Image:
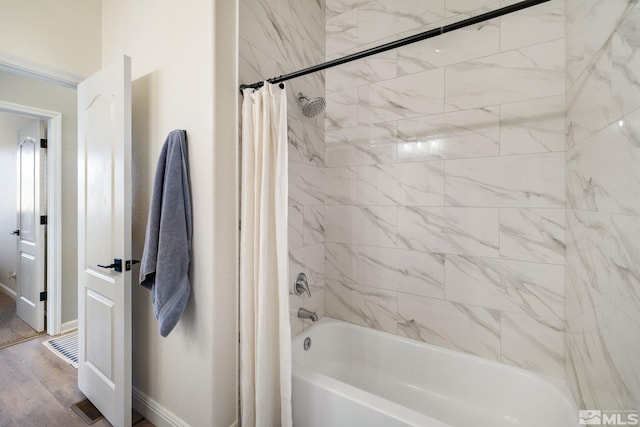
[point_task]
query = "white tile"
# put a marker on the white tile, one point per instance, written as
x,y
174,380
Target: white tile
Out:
x,y
456,7
403,97
533,25
295,227
308,260
603,173
341,262
418,273
306,142
336,7
370,225
342,32
361,72
342,109
460,327
588,239
361,145
530,72
533,180
378,226
625,274
625,71
530,345
382,18
457,46
533,235
468,133
465,231
313,225
315,303
531,289
342,185
590,101
407,184
306,184
535,126
342,224
362,305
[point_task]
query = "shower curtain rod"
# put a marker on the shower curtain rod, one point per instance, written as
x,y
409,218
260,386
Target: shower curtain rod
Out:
x,y
401,42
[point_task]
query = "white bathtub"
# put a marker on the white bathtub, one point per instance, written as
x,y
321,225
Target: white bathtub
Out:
x,y
356,376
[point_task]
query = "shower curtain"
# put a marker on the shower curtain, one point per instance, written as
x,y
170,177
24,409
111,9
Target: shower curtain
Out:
x,y
265,336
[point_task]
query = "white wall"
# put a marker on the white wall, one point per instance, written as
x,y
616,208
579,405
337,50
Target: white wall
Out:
x,y
184,78
63,34
33,93
10,124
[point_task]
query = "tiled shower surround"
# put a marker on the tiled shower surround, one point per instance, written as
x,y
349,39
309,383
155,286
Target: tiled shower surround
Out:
x,y
603,198
433,197
445,178
277,37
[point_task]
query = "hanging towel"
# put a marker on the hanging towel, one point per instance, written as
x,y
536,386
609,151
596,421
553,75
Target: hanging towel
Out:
x,y
164,268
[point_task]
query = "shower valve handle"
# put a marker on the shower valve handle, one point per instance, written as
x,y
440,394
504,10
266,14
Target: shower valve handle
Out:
x,y
302,285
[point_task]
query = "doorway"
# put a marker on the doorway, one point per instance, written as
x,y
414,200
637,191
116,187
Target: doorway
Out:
x,y
51,271
22,229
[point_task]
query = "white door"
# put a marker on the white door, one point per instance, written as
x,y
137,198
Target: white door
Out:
x,y
104,235
30,278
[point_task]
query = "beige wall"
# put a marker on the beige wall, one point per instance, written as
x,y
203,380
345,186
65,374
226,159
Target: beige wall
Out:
x,y
29,92
192,372
63,35
10,124
184,57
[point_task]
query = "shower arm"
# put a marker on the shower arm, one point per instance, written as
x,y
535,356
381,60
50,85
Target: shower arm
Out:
x,y
398,43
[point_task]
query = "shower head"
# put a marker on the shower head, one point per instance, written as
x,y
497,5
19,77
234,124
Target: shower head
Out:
x,y
311,107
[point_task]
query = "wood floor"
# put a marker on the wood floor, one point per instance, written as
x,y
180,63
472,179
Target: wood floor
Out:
x,y
12,328
37,388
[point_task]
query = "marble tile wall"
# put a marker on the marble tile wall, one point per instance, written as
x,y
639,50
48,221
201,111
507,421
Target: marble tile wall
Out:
x,y
603,200
445,178
278,37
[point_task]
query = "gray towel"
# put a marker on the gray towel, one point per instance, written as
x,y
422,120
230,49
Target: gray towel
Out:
x,y
165,261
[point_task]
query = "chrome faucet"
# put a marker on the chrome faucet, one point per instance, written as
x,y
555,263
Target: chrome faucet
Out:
x,y
302,285
303,313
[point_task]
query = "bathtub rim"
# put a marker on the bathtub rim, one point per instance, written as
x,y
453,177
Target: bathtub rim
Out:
x,y
545,380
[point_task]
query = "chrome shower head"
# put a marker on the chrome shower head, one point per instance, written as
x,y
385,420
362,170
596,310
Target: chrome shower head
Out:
x,y
311,107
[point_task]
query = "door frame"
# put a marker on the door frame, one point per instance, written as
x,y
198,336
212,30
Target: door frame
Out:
x,y
54,209
54,185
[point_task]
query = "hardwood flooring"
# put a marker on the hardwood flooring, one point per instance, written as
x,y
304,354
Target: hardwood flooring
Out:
x,y
37,388
12,328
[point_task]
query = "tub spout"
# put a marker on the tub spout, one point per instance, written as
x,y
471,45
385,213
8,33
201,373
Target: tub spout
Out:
x,y
303,313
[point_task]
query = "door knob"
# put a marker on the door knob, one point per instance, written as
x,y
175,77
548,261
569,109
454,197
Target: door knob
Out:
x,y
15,232
117,265
106,266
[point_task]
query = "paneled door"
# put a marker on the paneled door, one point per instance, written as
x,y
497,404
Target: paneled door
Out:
x,y
31,231
104,240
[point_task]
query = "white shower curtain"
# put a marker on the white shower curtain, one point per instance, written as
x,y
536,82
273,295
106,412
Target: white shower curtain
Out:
x,y
265,336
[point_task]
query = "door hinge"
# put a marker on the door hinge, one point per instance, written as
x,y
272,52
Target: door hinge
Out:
x,y
43,220
43,143
43,296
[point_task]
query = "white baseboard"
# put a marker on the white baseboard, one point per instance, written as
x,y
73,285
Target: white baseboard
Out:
x,y
69,326
153,411
7,290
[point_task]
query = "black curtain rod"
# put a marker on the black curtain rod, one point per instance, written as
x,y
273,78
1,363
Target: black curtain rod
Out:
x,y
399,43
